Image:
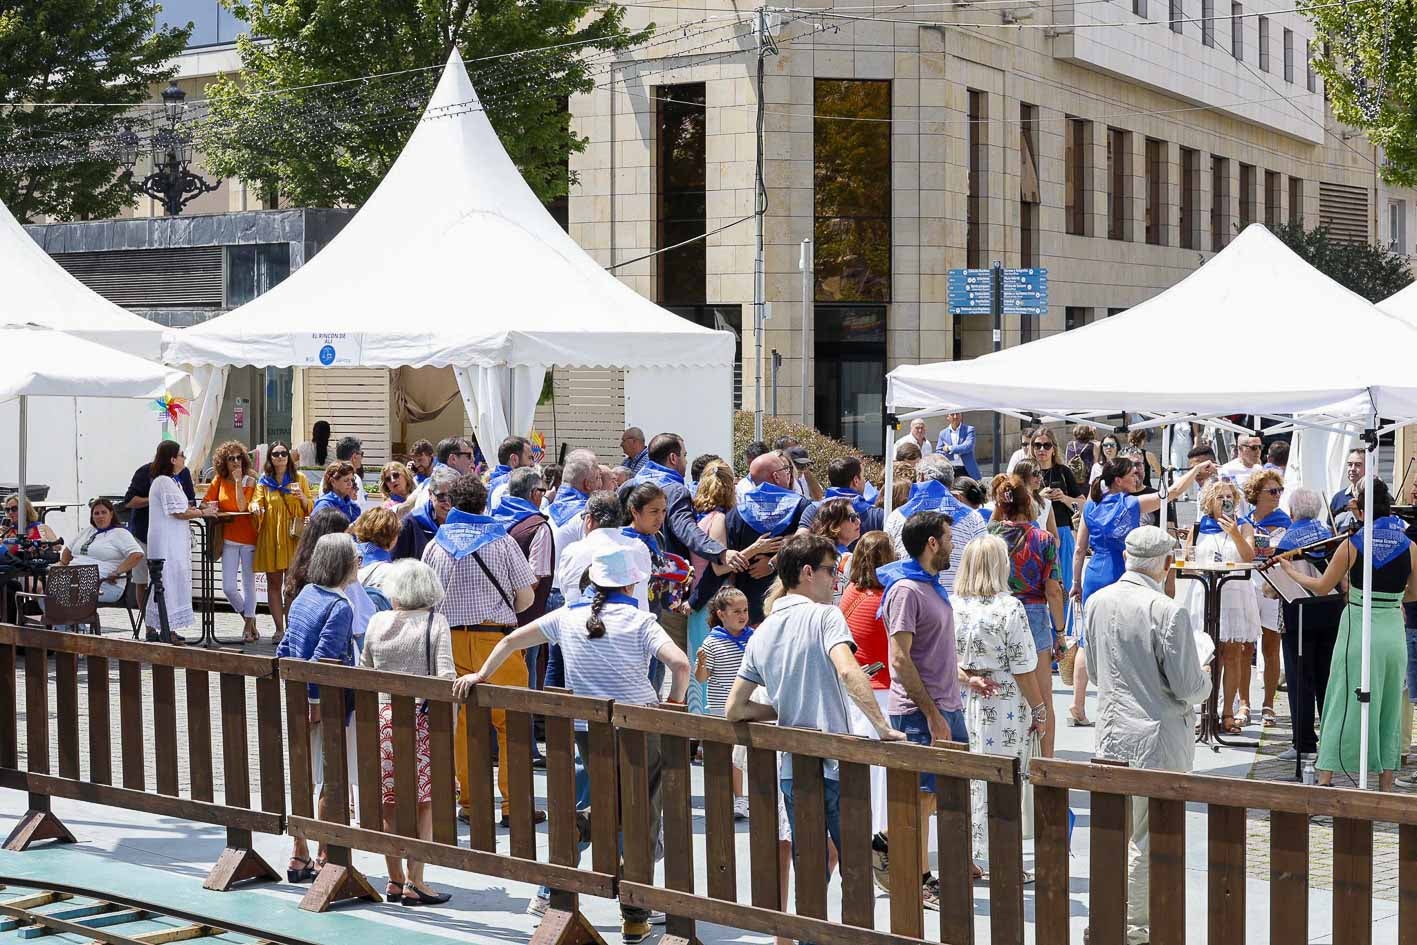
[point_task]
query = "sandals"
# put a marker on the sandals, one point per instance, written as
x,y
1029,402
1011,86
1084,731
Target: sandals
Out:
x,y
1243,716
1230,726
1078,721
394,892
304,874
251,634
413,896
1267,719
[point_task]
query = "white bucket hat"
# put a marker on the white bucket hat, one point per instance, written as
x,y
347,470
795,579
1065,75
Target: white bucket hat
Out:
x,y
615,567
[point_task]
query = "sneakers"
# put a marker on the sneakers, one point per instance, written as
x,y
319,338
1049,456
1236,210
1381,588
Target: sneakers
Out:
x,y
1408,779
657,918
633,933
1289,754
880,863
930,893
538,906
740,808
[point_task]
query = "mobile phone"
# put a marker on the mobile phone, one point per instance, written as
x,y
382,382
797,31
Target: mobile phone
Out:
x,y
871,669
1227,507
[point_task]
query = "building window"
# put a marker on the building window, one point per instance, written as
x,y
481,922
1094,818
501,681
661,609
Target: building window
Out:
x,y
1028,187
1219,202
1397,226
1311,81
1190,197
850,354
253,269
1288,55
1296,201
1264,44
1344,211
1208,22
1176,12
1075,173
682,212
1247,195
852,190
212,24
1237,31
1075,316
1271,199
720,318
1119,148
976,247
1139,7
1155,192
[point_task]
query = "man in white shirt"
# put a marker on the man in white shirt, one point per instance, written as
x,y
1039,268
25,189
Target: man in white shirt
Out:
x,y
1246,464
918,437
579,478
601,521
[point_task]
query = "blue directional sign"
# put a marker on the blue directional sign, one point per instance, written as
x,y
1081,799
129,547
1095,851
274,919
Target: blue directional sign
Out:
x,y
971,291
1025,291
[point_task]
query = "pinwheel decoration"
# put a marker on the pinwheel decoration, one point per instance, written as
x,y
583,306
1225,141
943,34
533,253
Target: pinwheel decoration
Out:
x,y
170,409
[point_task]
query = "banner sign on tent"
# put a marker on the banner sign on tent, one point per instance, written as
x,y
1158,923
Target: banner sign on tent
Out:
x,y
328,349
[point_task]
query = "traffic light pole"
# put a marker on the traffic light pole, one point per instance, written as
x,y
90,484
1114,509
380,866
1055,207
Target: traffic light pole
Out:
x,y
996,309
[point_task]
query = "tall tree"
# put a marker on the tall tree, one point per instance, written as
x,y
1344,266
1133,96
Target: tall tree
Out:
x,y
1371,271
293,121
1363,50
52,51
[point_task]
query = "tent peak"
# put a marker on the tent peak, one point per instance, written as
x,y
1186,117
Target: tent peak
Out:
x,y
454,89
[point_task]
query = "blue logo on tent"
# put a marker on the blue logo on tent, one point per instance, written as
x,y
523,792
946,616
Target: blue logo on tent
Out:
x,y
327,355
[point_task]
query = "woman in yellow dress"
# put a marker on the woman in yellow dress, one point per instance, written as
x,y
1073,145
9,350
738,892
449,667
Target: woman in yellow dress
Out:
x,y
281,502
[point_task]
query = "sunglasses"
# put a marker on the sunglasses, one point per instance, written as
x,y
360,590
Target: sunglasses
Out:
x,y
278,453
1043,446
853,517
1274,491
441,496
1249,446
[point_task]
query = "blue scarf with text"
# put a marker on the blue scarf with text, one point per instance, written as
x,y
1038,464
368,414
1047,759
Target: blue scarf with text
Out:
x,y
512,509
934,496
858,501
1389,539
907,569
1306,533
768,509
569,503
463,533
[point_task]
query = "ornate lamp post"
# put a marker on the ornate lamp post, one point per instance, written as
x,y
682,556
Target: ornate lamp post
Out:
x,y
170,182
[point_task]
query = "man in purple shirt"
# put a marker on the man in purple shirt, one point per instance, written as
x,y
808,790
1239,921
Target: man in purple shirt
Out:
x,y
924,700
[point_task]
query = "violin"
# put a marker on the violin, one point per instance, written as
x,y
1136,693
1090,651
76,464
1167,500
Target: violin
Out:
x,y
1323,544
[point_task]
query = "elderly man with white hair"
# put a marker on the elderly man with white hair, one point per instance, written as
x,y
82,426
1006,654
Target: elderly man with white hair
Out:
x,y
1143,653
918,437
931,493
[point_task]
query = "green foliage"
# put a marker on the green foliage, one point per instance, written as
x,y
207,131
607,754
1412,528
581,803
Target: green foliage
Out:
x,y
74,51
1371,271
331,145
822,448
852,190
1361,50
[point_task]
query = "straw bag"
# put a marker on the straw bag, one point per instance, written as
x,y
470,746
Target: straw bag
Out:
x,y
1070,656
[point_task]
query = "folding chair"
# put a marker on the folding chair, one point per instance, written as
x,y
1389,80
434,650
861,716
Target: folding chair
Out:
x,y
70,596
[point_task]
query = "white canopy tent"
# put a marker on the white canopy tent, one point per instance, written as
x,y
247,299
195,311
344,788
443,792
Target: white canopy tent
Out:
x,y
454,262
1256,289
81,458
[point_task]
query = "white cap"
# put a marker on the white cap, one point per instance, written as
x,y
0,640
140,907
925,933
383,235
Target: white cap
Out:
x,y
1148,541
615,567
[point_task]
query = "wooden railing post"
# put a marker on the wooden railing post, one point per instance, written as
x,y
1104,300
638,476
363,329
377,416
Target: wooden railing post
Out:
x,y
39,822
239,862
338,879
676,798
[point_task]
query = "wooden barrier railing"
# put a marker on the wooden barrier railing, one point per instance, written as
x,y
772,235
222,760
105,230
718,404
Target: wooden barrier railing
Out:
x,y
1227,801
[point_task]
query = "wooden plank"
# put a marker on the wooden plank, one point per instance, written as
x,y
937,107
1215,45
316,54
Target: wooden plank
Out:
x,y
406,766
546,702
954,839
297,727
37,710
521,784
720,835
479,754
1167,894
1352,881
157,654
1407,885
66,699
1288,877
443,772
165,751
903,828
355,677
1050,863
130,725
100,733
270,744
235,757
199,734
604,798
367,762
634,796
1108,859
142,801
1225,841
1005,863
561,791
762,829
858,897
9,709
809,836
336,761
676,797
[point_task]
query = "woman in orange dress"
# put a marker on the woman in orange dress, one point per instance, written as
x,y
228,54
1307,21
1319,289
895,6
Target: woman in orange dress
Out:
x,y
231,489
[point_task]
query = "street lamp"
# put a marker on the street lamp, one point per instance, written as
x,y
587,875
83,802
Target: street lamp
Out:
x,y
170,182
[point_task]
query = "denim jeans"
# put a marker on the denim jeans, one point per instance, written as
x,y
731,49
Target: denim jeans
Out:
x,y
832,796
1412,663
917,732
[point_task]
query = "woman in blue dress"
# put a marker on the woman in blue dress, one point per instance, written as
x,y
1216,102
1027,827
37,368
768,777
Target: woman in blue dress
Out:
x,y
1112,511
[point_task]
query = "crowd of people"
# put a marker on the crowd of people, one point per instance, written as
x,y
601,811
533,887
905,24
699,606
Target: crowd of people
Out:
x,y
788,592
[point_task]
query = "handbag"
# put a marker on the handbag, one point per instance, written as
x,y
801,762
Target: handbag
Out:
x,y
1069,660
427,655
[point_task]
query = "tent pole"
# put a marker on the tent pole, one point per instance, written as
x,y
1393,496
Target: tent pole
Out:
x,y
1165,457
22,497
1364,693
892,424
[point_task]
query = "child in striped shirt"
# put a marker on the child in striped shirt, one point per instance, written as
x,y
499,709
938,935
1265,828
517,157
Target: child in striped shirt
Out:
x,y
719,658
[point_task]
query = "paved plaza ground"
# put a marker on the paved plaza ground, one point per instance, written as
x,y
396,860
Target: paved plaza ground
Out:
x,y
171,857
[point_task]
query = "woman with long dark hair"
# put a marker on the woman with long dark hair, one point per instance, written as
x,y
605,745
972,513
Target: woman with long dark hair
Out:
x,y
170,541
316,451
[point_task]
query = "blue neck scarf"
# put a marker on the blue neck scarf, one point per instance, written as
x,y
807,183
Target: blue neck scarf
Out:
x,y
1389,539
616,598
424,517
858,501
371,552
346,507
419,479
907,569
1208,526
1276,519
463,533
1306,533
740,641
768,509
569,503
283,487
657,474
934,496
651,541
869,492
1109,521
499,475
512,509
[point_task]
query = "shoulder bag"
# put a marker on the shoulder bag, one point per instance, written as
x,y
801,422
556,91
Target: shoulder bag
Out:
x,y
495,583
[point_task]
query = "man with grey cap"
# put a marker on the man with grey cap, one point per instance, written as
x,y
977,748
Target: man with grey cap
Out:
x,y
1142,653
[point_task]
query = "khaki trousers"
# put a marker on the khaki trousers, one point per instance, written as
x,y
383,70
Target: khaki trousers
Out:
x,y
470,650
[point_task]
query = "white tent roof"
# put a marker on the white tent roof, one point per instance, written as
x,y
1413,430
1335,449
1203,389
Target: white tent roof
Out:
x,y
48,363
1402,304
452,261
37,290
1255,329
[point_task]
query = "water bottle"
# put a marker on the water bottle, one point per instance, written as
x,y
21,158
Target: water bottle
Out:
x,y
1309,777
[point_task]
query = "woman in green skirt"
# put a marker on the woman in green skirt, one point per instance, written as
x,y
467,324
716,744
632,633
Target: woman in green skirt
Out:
x,y
1394,578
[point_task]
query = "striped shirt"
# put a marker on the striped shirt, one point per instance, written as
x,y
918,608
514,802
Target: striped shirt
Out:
x,y
470,598
723,659
613,666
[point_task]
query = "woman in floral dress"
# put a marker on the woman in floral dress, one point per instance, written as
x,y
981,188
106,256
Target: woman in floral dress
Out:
x,y
1004,706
